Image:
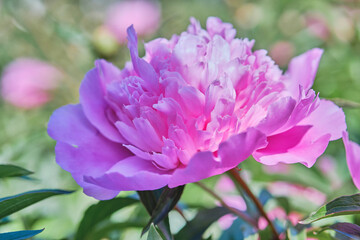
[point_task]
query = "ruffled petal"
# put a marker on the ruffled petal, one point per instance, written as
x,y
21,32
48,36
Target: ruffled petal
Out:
x,y
93,102
80,146
302,70
327,118
231,153
141,67
296,145
79,162
353,158
278,114
68,124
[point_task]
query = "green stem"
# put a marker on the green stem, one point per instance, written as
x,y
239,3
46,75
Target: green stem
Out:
x,y
224,204
235,175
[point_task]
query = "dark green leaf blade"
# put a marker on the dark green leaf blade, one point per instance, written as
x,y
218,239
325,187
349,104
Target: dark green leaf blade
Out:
x,y
150,198
9,205
348,229
19,235
194,229
99,212
167,201
8,170
344,205
153,234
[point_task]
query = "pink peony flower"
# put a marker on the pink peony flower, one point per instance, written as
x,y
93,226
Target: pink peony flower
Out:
x,y
195,106
26,82
143,14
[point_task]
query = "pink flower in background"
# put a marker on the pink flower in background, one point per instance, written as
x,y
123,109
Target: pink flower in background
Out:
x,y
317,25
226,189
195,106
281,52
143,14
280,214
298,191
26,82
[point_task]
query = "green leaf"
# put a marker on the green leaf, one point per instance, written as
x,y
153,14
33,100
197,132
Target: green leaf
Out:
x,y
295,234
153,234
167,201
348,229
19,235
345,205
8,170
150,198
194,229
319,235
99,212
103,231
9,205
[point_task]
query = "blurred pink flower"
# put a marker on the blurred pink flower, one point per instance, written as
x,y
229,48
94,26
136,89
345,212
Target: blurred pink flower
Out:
x,y
282,52
277,168
26,82
195,106
226,189
293,190
143,14
317,25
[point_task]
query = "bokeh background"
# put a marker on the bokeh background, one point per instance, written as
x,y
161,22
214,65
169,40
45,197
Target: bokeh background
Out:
x,y
71,34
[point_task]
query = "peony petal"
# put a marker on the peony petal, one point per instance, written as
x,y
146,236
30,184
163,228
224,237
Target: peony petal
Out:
x,y
77,149
296,145
141,67
132,174
327,118
68,124
94,104
353,158
302,70
79,162
232,152
239,147
193,100
278,114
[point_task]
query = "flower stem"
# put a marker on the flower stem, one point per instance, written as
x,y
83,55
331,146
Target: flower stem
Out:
x,y
236,176
231,209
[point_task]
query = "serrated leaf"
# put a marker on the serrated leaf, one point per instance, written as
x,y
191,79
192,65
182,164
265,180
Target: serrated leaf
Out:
x,y
19,235
194,229
344,205
153,234
99,212
9,205
166,202
348,229
8,170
